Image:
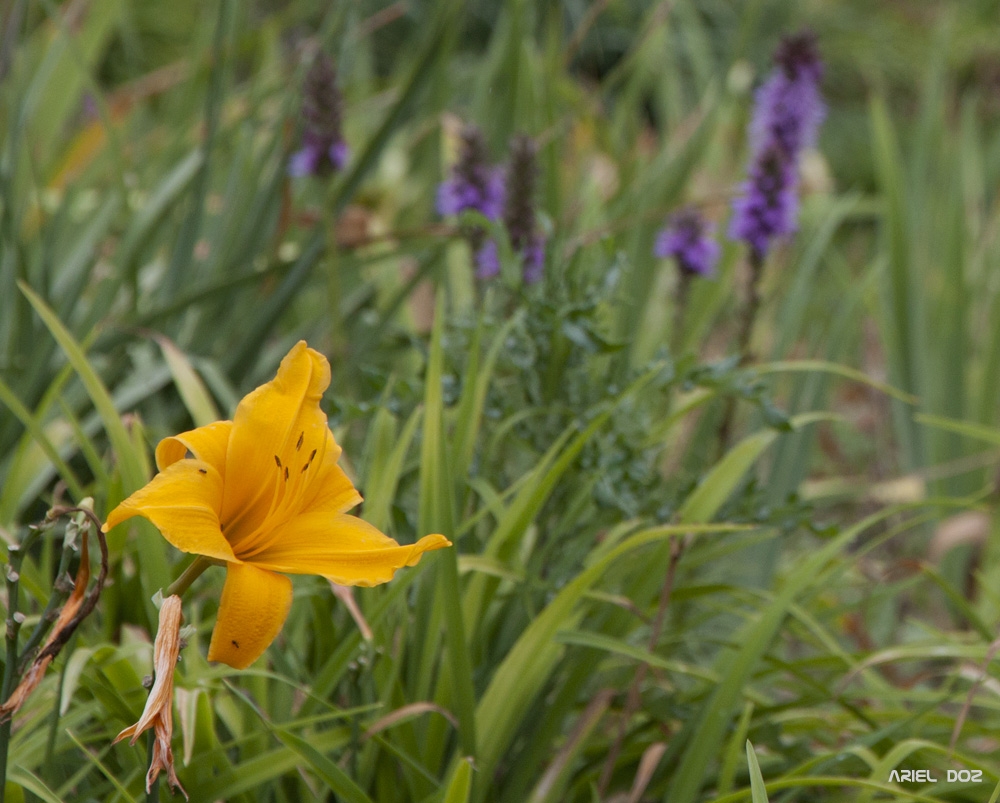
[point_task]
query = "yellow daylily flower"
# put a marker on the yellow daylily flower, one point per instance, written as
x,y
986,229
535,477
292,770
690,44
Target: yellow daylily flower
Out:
x,y
263,493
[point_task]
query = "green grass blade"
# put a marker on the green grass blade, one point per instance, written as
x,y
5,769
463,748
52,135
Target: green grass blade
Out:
x,y
715,715
130,464
193,392
437,514
712,492
758,794
460,786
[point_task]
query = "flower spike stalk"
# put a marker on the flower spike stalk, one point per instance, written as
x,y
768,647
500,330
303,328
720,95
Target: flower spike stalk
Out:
x,y
263,495
787,113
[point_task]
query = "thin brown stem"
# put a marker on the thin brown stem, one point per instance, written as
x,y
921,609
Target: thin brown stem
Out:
x,y
634,699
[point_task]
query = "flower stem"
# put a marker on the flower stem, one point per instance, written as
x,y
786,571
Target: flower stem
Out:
x,y
751,308
633,701
743,344
190,574
13,576
682,292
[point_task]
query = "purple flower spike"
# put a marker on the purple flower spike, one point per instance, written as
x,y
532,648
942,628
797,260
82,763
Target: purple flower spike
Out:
x,y
473,183
787,113
323,148
769,204
687,238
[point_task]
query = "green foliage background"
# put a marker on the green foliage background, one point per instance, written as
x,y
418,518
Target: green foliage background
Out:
x,y
831,574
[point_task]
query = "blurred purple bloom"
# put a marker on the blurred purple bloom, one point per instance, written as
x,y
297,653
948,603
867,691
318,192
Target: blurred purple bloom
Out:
x,y
457,194
787,113
487,260
687,238
323,148
473,183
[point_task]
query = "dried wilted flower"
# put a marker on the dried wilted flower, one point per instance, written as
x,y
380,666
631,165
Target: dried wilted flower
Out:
x,y
159,711
76,608
787,113
519,208
323,148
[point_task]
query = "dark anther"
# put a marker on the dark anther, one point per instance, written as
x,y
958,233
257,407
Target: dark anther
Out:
x,y
236,644
203,471
312,455
298,445
277,460
286,473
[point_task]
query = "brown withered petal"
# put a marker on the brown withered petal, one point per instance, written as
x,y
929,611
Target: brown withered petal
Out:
x,y
57,637
159,711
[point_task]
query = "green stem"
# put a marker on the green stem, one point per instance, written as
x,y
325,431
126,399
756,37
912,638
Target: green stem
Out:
x,y
751,308
15,554
680,307
191,573
744,337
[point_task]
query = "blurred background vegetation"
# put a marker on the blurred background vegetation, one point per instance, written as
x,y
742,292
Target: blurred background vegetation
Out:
x,y
633,599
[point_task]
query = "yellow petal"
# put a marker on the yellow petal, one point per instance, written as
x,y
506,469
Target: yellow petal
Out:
x,y
183,502
330,490
277,430
206,443
341,548
253,608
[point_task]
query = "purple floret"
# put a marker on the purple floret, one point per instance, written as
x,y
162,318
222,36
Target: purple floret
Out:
x,y
473,184
687,238
768,206
338,153
305,161
487,260
485,195
787,113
